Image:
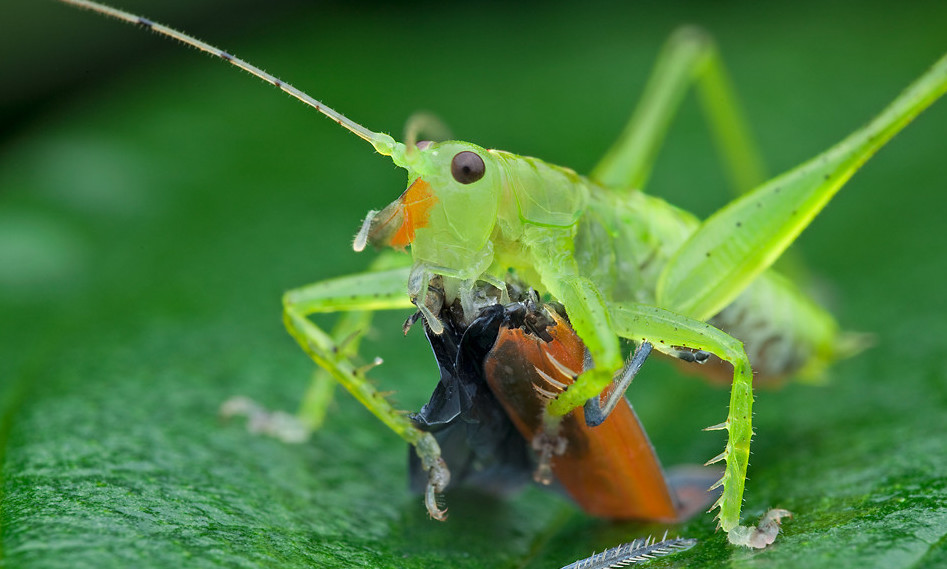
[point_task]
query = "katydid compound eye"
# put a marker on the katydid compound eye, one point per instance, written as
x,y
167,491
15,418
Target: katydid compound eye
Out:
x,y
467,167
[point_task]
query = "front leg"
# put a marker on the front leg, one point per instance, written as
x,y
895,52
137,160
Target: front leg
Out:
x,y
551,253
381,290
589,318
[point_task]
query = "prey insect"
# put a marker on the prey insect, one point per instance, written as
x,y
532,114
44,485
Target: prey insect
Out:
x,y
624,265
498,373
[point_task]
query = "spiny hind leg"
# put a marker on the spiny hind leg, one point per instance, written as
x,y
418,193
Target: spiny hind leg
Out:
x,y
668,332
689,59
730,249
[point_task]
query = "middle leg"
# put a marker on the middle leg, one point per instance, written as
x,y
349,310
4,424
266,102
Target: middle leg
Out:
x,y
669,332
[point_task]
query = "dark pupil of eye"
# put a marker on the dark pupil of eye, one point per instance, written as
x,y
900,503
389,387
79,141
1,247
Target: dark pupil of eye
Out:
x,y
467,167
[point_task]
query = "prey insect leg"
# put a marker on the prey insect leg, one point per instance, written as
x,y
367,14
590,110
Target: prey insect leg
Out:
x,y
595,411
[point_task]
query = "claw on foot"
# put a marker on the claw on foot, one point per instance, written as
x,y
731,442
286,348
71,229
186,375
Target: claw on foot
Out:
x,y
438,476
763,534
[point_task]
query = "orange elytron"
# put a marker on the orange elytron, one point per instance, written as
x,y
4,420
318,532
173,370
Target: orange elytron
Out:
x,y
610,470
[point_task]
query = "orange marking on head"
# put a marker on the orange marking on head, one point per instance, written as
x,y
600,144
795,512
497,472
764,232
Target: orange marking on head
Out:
x,y
416,203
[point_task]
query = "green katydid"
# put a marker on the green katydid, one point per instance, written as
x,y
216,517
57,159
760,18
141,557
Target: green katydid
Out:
x,y
624,264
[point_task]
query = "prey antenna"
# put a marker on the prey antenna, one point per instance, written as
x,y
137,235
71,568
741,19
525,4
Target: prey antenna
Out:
x,y
383,143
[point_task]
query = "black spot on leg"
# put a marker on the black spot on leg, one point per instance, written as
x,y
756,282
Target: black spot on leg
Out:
x,y
226,56
278,83
145,23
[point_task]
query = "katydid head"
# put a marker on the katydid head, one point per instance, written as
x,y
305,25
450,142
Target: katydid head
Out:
x,y
448,211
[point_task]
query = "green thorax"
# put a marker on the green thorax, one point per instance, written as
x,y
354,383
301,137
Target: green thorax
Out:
x,y
625,238
620,239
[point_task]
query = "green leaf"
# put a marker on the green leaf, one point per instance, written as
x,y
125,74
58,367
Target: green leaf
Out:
x,y
150,221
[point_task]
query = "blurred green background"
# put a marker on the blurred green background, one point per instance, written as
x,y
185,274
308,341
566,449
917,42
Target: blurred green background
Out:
x,y
155,203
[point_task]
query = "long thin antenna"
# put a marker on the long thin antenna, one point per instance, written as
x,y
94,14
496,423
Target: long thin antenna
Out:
x,y
383,143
